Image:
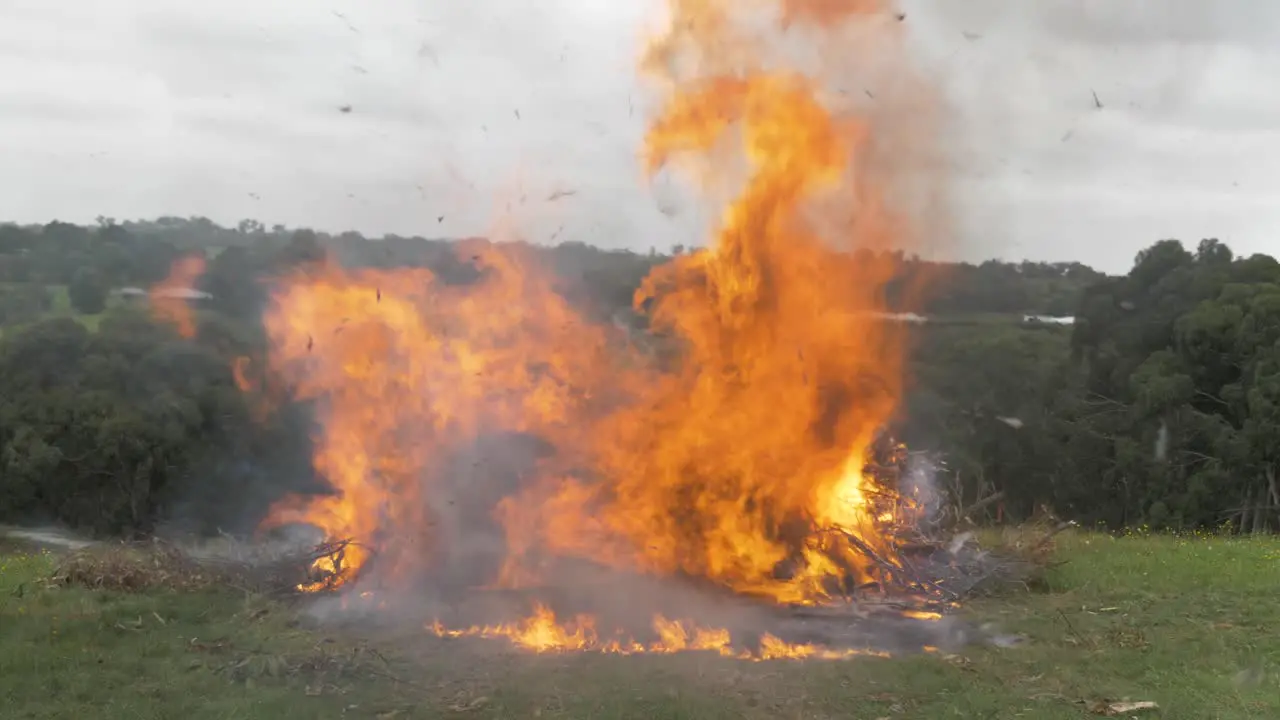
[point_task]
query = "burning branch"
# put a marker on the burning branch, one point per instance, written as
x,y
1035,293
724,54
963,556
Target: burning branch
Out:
x,y
327,569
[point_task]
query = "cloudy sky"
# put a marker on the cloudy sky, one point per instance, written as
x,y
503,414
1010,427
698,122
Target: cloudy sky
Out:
x,y
473,117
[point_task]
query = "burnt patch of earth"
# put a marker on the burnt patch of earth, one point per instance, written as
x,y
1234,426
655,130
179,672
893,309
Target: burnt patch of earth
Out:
x,y
623,606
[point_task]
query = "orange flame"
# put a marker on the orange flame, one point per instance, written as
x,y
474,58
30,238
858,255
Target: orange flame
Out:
x,y
405,370
167,302
788,375
542,633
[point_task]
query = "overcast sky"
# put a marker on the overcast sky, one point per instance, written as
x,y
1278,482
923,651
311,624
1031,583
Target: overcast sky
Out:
x,y
480,111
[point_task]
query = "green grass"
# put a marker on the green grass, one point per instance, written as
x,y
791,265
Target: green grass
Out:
x,y
1190,623
61,307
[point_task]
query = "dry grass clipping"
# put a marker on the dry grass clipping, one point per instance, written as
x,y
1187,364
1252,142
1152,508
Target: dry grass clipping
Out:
x,y
1034,541
135,568
1033,546
156,565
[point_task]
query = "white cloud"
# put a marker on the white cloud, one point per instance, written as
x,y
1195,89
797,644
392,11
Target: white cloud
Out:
x,y
136,108
1182,147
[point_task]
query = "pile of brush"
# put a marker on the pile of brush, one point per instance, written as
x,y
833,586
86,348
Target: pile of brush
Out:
x,y
158,565
1014,558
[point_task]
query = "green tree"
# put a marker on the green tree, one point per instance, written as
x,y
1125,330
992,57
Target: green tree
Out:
x,y
88,291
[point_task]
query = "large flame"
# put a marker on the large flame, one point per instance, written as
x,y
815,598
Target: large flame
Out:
x,y
730,466
405,370
738,457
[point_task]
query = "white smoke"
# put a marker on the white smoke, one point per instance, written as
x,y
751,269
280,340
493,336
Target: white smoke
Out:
x,y
919,482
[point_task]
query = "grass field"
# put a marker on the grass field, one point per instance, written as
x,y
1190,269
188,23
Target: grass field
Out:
x,y
61,307
1190,623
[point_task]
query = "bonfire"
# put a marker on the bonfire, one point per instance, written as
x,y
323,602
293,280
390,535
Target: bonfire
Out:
x,y
489,447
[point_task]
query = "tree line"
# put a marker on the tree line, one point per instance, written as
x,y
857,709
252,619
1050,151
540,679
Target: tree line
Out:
x,y
1159,406
1156,406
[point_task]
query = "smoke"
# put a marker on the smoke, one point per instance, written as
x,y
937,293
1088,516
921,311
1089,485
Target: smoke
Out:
x,y
1162,442
46,536
920,483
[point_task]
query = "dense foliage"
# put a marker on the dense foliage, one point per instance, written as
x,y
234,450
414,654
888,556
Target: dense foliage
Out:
x,y
1157,406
